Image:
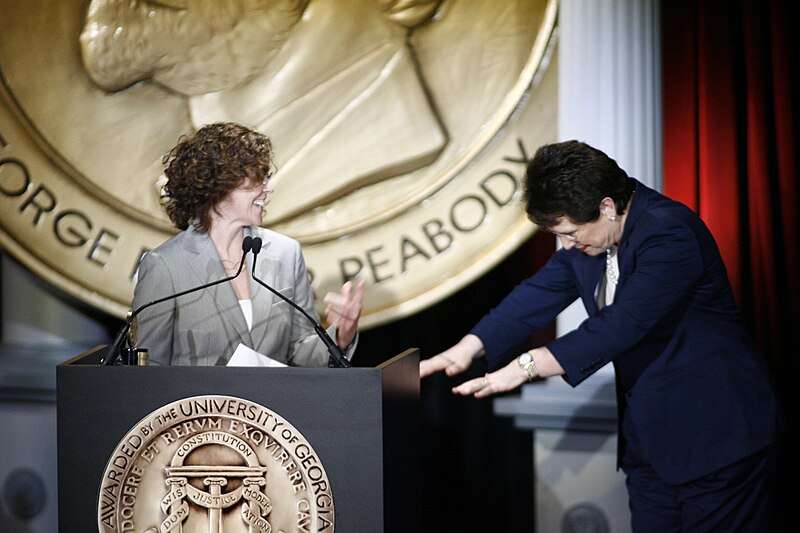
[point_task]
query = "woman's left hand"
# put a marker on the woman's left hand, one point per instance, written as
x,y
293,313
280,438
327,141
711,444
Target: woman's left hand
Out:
x,y
343,310
509,377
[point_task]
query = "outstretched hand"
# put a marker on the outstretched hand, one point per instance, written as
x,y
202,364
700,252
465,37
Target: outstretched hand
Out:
x,y
507,378
455,359
343,309
511,376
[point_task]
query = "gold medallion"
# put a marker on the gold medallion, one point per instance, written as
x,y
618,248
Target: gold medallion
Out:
x,y
401,131
215,463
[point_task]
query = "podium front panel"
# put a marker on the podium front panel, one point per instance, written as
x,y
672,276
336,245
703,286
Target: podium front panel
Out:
x,y
338,411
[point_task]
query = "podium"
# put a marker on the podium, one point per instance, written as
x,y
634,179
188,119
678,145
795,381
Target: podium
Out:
x,y
360,422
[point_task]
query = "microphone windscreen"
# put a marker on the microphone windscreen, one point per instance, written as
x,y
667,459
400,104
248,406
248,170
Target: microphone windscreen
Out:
x,y
247,244
256,245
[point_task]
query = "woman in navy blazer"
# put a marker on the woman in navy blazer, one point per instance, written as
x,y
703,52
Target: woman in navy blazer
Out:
x,y
698,412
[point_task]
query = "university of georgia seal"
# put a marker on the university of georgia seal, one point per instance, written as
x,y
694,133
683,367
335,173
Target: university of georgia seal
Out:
x,y
216,464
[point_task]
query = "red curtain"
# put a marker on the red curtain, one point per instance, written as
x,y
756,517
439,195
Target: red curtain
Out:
x,y
730,70
729,74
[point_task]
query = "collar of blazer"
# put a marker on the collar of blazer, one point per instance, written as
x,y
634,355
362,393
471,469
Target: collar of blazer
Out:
x,y
206,266
200,243
593,268
639,202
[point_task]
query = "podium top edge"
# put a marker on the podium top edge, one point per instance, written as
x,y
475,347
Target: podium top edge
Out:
x,y
410,352
91,356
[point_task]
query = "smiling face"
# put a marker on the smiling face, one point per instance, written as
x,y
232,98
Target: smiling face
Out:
x,y
245,205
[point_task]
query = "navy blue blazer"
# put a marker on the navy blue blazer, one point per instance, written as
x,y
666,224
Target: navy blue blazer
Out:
x,y
698,394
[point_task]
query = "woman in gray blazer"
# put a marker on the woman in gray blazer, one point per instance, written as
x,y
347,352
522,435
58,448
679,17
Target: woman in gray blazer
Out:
x,y
217,190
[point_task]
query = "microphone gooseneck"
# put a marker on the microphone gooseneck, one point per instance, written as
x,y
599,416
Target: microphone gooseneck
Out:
x,y
337,358
115,349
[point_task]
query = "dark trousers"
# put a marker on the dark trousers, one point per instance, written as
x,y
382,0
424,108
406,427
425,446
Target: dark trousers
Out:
x,y
736,498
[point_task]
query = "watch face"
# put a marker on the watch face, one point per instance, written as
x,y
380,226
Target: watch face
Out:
x,y
524,359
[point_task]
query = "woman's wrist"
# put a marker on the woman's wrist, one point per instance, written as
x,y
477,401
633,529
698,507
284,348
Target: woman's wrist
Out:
x,y
473,345
527,363
546,363
344,341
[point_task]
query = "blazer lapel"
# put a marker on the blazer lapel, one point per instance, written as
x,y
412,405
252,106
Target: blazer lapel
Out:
x,y
207,267
641,198
592,269
262,297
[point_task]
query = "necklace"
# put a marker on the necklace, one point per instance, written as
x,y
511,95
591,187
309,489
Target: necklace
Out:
x,y
611,267
229,266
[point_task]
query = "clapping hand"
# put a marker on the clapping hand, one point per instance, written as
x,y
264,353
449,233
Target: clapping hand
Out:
x,y
343,309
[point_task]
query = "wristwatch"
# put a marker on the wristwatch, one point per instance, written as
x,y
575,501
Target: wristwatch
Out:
x,y
528,365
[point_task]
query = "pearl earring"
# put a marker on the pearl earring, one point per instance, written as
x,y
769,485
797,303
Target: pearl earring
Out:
x,y
612,218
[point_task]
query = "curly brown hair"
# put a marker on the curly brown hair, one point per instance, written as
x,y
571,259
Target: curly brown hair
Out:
x,y
203,168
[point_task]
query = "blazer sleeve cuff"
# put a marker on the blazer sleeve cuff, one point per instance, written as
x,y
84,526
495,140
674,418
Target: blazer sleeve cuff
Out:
x,y
351,348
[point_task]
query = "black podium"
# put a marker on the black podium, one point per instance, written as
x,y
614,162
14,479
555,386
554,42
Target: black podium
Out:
x,y
361,422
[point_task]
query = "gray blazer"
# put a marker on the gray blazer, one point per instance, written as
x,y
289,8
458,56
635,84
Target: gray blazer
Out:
x,y
205,327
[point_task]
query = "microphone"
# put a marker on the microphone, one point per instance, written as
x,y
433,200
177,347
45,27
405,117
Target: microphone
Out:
x,y
115,350
337,358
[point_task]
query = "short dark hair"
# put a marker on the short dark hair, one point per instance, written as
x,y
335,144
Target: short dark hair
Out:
x,y
570,179
203,168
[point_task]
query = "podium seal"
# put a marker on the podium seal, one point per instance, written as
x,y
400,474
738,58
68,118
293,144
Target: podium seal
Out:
x,y
216,464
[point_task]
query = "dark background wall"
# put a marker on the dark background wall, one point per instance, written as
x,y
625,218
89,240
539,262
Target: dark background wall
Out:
x,y
476,468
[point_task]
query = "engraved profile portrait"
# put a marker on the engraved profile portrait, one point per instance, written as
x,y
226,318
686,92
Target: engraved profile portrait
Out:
x,y
389,120
334,84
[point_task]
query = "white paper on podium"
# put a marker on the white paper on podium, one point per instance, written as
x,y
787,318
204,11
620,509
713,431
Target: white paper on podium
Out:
x,y
244,356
